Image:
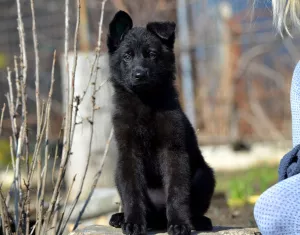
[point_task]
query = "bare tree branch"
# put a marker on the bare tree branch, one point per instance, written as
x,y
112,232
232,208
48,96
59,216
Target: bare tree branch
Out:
x,y
1,119
96,178
58,231
17,81
48,112
37,73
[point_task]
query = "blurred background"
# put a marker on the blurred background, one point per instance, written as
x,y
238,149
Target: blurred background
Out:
x,y
234,76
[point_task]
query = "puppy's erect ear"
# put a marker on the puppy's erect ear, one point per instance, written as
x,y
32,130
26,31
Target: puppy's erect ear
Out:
x,y
164,30
118,27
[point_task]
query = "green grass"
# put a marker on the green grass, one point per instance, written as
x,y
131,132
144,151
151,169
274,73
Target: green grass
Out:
x,y
242,184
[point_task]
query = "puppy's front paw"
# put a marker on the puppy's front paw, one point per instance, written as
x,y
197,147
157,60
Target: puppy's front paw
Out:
x,y
134,229
179,229
117,220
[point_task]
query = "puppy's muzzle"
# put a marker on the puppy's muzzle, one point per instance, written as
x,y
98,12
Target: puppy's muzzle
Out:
x,y
140,73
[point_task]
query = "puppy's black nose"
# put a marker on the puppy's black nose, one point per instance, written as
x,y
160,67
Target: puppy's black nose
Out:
x,y
140,73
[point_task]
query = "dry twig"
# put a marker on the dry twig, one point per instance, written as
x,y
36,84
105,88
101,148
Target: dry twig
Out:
x,y
56,150
17,81
1,119
47,120
64,208
96,178
37,74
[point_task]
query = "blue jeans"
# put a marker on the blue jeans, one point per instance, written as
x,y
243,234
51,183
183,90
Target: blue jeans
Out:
x,y
277,211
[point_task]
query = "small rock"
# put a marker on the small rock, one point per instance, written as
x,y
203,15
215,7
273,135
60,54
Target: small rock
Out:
x,y
235,213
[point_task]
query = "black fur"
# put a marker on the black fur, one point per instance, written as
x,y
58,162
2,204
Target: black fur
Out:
x,y
161,175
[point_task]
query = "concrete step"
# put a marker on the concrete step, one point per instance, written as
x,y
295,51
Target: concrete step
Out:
x,y
106,230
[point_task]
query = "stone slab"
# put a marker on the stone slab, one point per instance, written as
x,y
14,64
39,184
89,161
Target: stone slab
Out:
x,y
106,230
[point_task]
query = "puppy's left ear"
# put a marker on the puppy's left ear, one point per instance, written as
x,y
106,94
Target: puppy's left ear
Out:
x,y
118,28
164,30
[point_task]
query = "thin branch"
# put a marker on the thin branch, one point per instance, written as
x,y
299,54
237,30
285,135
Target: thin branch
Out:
x,y
37,147
27,227
33,229
55,217
65,206
86,165
1,119
100,26
11,94
26,200
27,152
12,152
11,108
48,112
96,178
22,42
17,177
98,48
12,120
77,100
17,144
56,150
17,81
23,130
37,74
100,86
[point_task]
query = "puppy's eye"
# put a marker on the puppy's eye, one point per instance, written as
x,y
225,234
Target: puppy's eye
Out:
x,y
152,54
127,56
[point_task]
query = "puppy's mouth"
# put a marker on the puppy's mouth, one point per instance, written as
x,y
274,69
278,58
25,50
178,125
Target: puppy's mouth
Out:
x,y
140,82
139,86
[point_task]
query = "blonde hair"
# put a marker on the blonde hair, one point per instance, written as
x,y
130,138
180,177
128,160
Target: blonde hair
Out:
x,y
286,15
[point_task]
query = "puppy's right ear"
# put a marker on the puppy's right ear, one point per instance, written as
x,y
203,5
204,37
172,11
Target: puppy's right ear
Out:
x,y
118,27
164,30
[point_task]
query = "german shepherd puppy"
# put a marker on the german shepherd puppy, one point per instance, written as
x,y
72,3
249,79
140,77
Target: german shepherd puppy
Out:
x,y
162,177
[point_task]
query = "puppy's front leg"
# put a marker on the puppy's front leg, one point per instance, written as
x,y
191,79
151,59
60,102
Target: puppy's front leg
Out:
x,y
131,184
177,185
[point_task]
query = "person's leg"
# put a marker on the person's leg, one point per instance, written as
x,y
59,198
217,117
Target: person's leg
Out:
x,y
277,211
295,105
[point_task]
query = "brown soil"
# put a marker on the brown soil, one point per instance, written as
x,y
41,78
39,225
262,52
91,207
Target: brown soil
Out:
x,y
222,215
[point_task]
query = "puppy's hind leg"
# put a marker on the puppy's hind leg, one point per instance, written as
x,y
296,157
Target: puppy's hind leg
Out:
x,y
203,185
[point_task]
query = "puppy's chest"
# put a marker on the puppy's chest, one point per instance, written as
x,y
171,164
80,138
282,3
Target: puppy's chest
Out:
x,y
144,127
137,123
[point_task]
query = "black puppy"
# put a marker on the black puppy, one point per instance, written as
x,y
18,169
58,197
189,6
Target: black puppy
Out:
x,y
161,175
